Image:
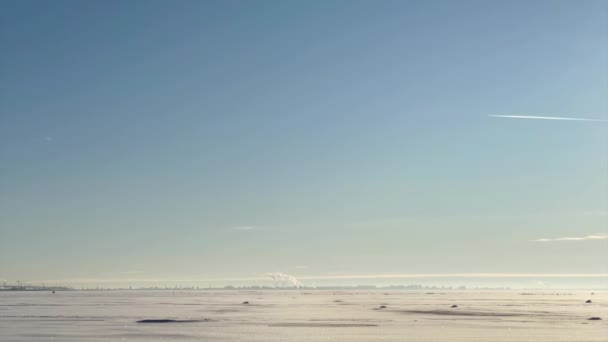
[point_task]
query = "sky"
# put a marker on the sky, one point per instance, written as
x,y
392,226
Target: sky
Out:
x,y
215,141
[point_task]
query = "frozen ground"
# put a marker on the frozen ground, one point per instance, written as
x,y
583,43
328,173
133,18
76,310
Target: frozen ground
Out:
x,y
304,316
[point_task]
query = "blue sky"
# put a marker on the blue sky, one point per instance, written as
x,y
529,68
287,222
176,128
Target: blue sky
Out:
x,y
350,137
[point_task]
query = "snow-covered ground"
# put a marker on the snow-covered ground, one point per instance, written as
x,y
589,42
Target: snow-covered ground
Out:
x,y
304,316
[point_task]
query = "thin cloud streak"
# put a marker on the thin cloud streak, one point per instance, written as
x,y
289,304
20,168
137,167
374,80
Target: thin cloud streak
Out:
x,y
577,238
131,272
244,228
545,118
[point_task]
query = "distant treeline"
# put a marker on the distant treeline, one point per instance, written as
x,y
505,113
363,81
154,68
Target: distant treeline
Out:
x,y
293,288
22,287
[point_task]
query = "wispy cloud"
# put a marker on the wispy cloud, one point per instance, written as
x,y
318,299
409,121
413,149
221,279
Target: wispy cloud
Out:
x,y
244,228
131,272
577,238
545,118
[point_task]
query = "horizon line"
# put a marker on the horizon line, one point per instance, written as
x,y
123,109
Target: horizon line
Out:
x,y
334,277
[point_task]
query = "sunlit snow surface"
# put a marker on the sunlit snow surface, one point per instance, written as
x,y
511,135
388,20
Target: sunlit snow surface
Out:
x,y
304,316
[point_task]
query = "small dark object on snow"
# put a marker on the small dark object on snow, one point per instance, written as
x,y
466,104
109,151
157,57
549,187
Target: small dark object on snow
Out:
x,y
53,291
588,301
169,321
594,319
382,307
454,306
245,303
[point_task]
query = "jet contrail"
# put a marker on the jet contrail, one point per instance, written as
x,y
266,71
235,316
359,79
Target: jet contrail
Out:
x,y
545,118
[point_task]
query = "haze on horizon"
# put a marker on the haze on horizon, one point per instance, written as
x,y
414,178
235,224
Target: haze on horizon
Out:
x,y
212,141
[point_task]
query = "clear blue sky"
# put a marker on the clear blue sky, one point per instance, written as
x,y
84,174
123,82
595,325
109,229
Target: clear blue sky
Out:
x,y
210,140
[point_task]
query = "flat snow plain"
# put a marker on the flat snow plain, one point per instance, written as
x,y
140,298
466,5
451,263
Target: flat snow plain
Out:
x,y
300,315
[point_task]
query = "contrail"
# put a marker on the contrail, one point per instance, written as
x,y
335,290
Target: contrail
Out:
x,y
545,118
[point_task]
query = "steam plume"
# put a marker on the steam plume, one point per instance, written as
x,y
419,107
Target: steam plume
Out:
x,y
282,279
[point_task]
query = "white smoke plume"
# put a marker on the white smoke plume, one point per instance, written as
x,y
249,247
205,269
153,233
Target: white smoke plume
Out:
x,y
282,279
